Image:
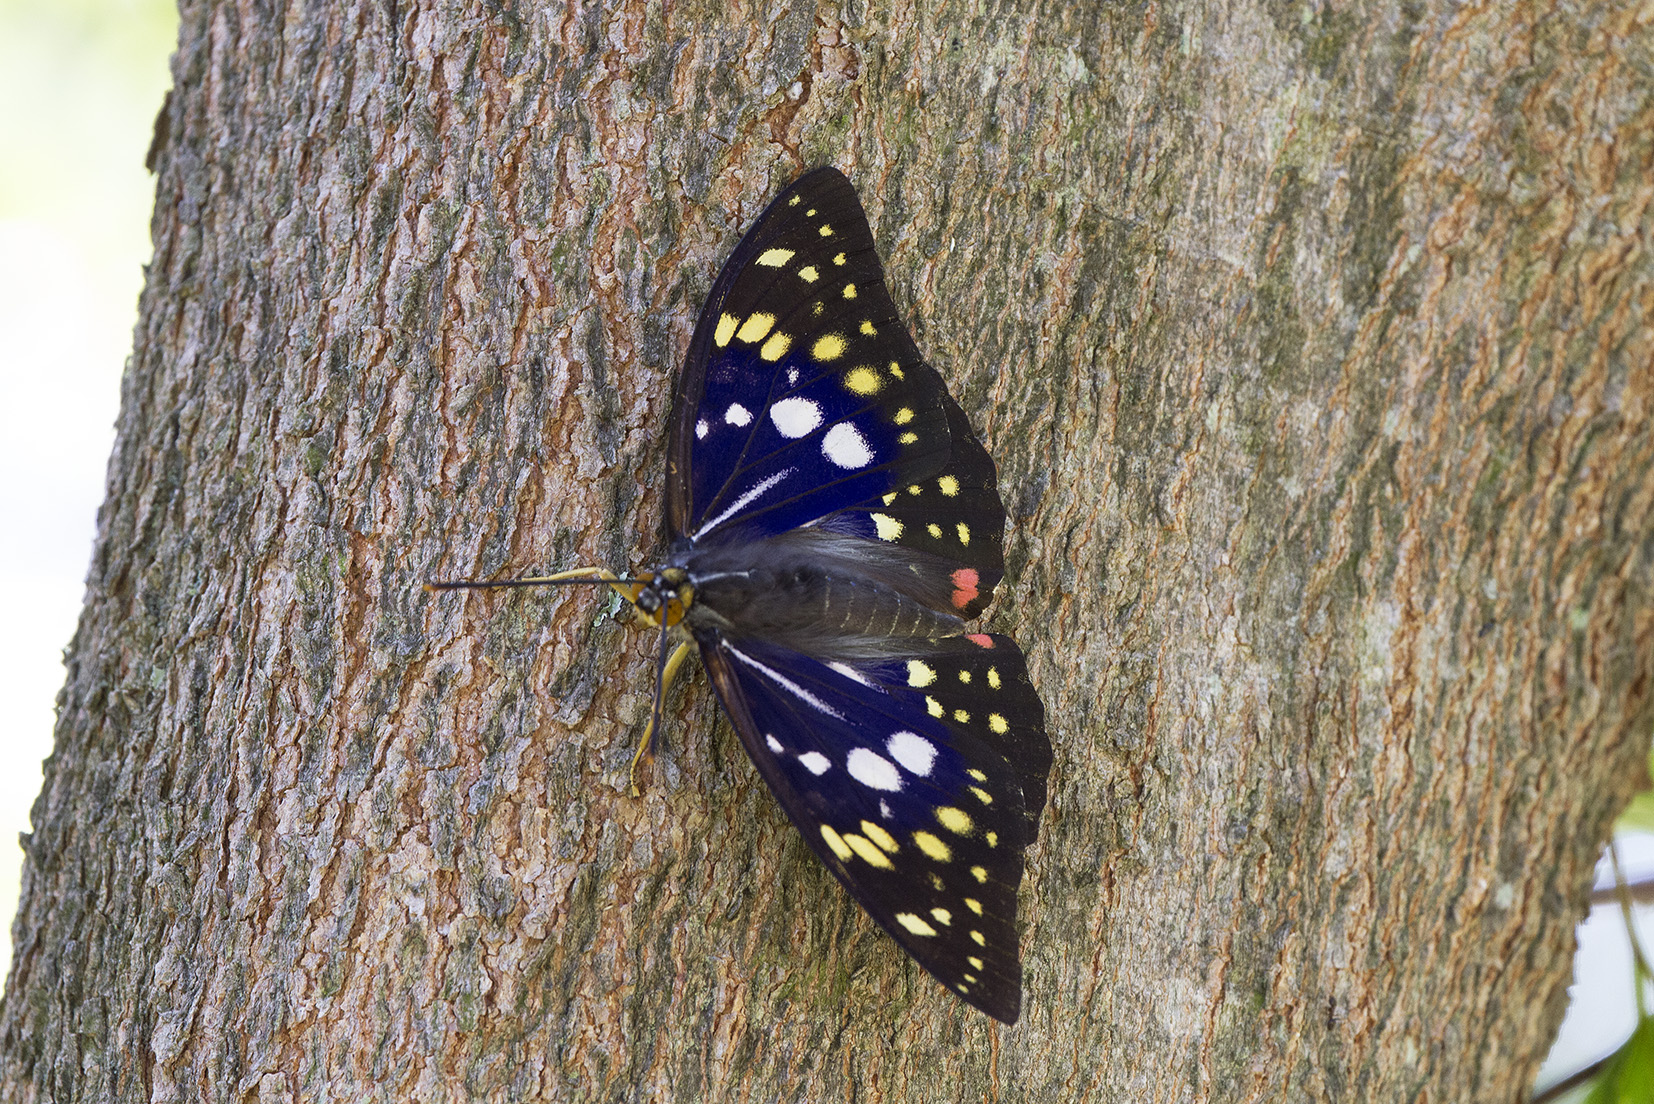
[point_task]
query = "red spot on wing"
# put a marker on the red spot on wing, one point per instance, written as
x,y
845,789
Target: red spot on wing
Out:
x,y
981,640
964,582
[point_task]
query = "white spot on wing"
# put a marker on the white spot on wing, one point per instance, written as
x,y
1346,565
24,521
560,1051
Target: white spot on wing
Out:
x,y
774,744
744,501
845,446
738,415
874,770
815,762
912,751
795,417
700,429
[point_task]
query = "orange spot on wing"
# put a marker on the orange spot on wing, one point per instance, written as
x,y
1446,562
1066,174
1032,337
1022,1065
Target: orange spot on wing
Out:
x,y
981,640
964,587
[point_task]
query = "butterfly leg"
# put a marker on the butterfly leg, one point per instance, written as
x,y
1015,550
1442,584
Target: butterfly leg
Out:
x,y
665,672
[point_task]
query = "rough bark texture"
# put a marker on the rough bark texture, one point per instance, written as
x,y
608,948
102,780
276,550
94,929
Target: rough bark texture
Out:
x,y
1313,341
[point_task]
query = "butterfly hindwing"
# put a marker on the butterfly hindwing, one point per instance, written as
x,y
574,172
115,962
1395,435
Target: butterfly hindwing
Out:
x,y
953,514
918,782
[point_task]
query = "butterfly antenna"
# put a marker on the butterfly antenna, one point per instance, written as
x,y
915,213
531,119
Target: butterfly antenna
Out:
x,y
577,577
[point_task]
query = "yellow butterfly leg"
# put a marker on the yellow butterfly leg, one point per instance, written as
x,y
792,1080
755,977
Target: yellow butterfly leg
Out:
x,y
646,747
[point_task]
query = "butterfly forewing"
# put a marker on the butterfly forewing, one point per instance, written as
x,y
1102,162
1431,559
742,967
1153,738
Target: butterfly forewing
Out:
x,y
917,782
804,393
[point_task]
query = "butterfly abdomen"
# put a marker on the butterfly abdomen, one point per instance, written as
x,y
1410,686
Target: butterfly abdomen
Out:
x,y
825,610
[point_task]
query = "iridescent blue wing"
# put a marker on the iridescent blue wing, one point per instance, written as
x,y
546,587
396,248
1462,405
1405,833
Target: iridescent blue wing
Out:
x,y
804,407
918,782
804,401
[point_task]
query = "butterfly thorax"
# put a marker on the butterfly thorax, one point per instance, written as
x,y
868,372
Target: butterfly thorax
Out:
x,y
802,592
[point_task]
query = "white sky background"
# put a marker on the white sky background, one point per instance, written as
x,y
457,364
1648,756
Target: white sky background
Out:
x,y
80,83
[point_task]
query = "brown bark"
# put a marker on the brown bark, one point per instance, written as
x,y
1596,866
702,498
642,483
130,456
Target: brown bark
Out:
x,y
1313,343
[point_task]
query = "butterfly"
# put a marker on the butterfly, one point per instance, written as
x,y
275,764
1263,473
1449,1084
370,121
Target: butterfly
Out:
x,y
832,523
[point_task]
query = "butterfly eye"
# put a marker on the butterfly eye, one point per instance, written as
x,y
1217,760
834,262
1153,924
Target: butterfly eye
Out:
x,y
648,601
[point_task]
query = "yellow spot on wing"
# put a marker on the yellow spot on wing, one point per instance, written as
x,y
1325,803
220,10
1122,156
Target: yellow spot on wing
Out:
x,y
755,327
934,530
915,490
889,498
993,839
993,677
776,347
943,916
982,795
838,260
964,676
793,202
934,707
980,940
974,905
979,873
932,846
836,842
775,258
976,774
826,230
908,438
878,835
849,291
867,328
961,716
997,723
808,274
725,330
896,370
964,532
903,416
949,485
914,924
869,854
828,347
976,963
954,820
889,528
920,673
863,381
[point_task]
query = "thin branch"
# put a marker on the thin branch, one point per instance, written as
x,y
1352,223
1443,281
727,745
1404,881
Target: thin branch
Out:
x,y
1573,1080
1640,891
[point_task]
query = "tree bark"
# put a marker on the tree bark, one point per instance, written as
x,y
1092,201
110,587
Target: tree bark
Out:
x,y
1313,342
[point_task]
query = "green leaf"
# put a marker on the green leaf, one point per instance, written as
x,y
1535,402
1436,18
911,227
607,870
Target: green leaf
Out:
x,y
1628,1078
1639,815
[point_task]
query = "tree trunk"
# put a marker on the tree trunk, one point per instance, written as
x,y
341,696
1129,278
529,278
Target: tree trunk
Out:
x,y
1313,342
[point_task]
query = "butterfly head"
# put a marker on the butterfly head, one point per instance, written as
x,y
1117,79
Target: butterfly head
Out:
x,y
661,596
